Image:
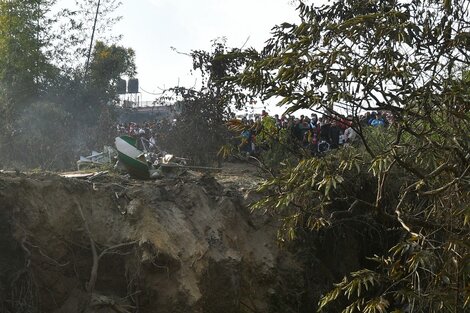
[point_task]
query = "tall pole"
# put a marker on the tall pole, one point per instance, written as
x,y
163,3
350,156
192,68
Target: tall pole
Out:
x,y
38,45
92,37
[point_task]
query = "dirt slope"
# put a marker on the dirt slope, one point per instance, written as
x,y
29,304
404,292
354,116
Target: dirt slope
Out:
x,y
116,245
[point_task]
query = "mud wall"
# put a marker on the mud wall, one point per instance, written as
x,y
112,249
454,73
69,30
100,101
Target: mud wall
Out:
x,y
174,245
182,245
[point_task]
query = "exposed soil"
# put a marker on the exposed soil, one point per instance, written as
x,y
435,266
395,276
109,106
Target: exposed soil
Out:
x,y
174,245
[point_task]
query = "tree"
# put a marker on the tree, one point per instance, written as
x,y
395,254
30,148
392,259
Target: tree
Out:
x,y
91,69
91,101
34,82
200,129
405,58
23,64
75,27
108,64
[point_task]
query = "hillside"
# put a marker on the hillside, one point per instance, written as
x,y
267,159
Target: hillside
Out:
x,y
119,245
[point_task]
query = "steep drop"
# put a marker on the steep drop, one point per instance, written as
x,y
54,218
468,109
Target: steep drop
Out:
x,y
115,245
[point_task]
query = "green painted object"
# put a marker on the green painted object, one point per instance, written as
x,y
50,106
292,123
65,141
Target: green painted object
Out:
x,y
132,158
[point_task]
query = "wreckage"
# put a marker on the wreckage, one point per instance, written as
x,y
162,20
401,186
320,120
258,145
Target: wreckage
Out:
x,y
139,157
143,160
97,158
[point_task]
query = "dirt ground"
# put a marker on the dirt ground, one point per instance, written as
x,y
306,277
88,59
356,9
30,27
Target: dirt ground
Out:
x,y
114,244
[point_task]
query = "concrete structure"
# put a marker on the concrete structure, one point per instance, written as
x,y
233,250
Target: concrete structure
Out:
x,y
146,113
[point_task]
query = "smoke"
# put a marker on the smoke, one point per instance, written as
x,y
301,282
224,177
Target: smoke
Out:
x,y
48,135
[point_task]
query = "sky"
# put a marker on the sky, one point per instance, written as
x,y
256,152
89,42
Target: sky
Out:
x,y
152,27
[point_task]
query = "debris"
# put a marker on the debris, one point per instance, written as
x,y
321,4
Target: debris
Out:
x,y
97,158
151,164
81,175
97,174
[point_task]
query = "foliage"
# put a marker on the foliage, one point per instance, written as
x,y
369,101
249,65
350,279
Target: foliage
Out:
x,y
273,146
218,67
108,64
51,113
199,132
73,27
23,65
404,58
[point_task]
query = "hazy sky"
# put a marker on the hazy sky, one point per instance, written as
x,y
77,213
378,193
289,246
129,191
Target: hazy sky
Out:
x,y
151,27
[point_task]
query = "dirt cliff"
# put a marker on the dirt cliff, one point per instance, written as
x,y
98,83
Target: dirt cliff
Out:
x,y
187,244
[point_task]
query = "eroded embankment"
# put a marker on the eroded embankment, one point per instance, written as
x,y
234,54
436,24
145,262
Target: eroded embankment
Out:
x,y
180,245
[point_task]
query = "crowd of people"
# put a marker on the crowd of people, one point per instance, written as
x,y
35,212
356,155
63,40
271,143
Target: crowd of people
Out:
x,y
147,133
314,134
